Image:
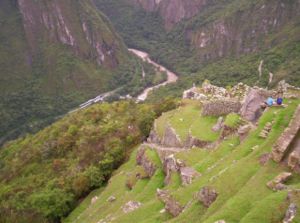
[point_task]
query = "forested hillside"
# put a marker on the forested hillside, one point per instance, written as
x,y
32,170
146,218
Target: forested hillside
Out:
x,y
224,41
54,55
43,176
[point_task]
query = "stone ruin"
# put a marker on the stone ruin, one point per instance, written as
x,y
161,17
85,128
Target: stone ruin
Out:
x,y
278,182
207,196
187,174
170,139
220,107
212,92
218,100
288,144
131,206
171,205
145,162
290,213
266,130
171,165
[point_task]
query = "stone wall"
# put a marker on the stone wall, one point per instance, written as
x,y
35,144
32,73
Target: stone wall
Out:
x,y
220,107
281,147
171,205
145,162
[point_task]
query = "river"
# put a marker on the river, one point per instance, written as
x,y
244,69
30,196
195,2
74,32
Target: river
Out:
x,y
171,78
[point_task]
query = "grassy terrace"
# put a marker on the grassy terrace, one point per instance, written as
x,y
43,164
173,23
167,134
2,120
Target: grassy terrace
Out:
x,y
187,118
233,169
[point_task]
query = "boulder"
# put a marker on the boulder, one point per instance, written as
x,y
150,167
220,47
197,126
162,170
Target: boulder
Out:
x,y
294,159
187,175
207,196
111,199
264,158
243,131
290,213
251,109
171,139
219,125
145,162
171,205
131,206
153,137
278,182
195,94
94,199
227,131
170,165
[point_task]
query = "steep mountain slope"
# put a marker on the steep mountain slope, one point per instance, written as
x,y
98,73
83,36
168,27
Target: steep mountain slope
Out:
x,y
172,12
222,38
53,56
43,176
227,176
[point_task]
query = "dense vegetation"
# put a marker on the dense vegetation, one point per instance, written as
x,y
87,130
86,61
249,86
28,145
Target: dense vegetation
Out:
x,y
173,49
233,169
36,85
43,176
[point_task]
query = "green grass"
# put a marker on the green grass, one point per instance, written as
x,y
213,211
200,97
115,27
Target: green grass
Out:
x,y
153,156
187,118
232,120
232,168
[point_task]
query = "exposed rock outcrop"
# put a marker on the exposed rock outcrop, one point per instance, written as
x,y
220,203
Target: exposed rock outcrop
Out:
x,y
243,131
195,142
227,131
294,160
171,205
61,22
154,137
131,206
251,109
219,125
220,107
264,158
94,199
171,139
111,199
173,11
145,162
278,182
230,35
207,196
170,166
194,94
290,213
281,147
187,175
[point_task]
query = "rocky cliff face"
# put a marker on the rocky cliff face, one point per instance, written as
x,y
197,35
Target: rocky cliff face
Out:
x,y
245,30
71,24
53,56
172,11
